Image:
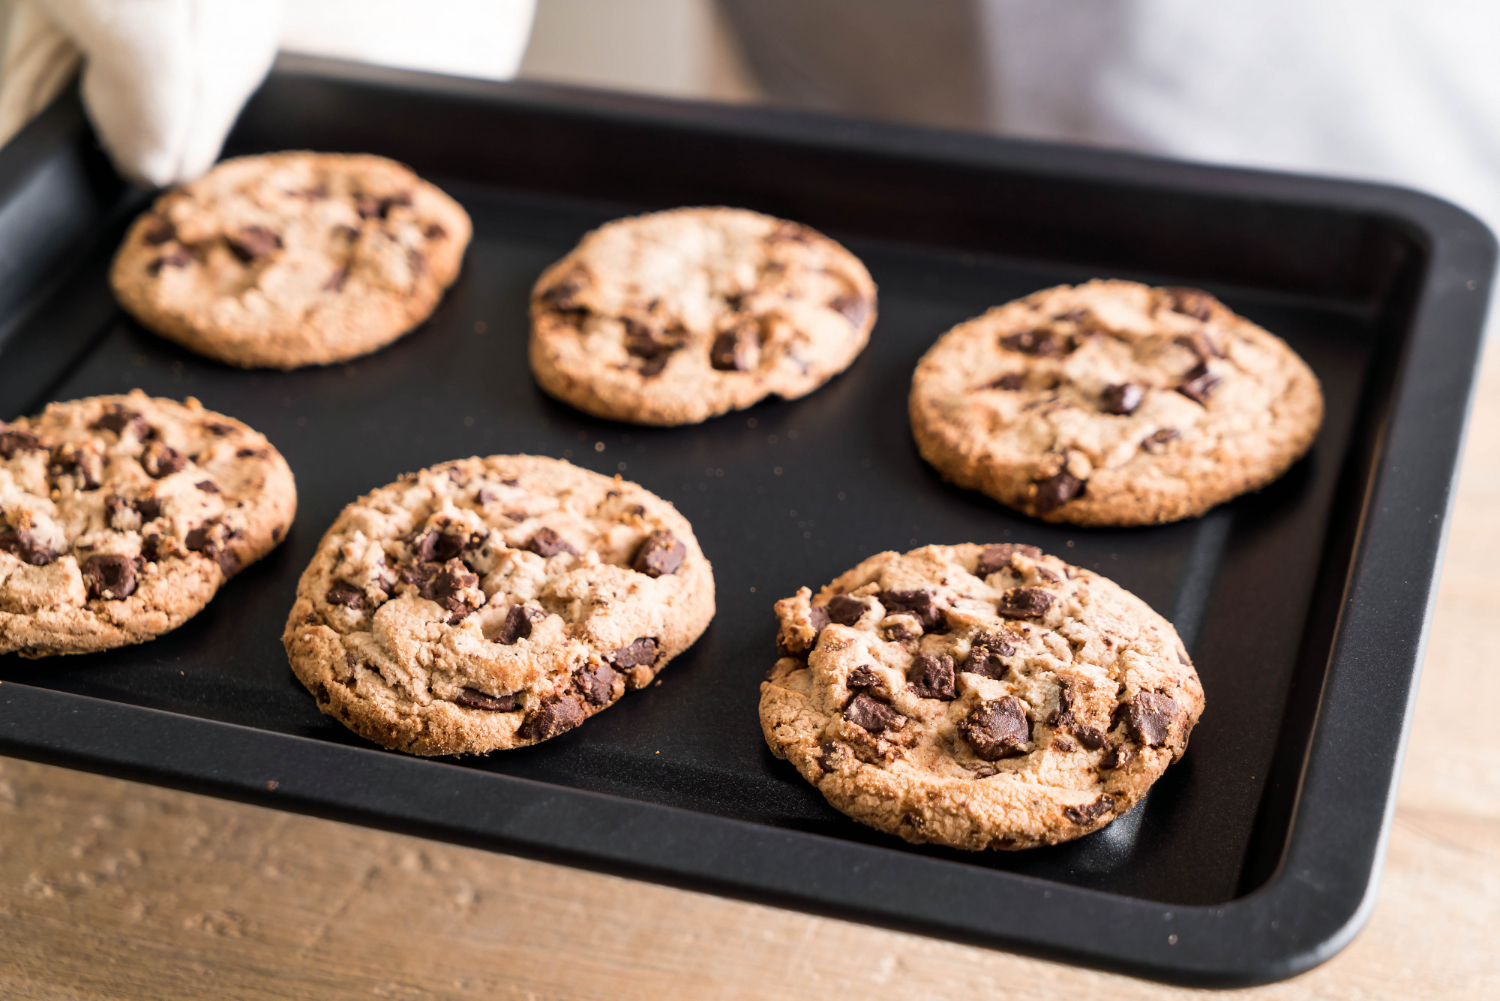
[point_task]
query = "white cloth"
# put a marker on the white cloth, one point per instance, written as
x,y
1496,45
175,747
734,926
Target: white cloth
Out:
x,y
164,80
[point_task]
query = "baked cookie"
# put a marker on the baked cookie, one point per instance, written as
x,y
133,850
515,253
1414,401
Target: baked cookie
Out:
x,y
978,696
492,603
292,259
1113,403
675,317
121,516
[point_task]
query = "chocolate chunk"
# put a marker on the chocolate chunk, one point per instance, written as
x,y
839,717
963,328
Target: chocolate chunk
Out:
x,y
518,624
511,482
86,467
1043,343
1199,384
473,698
854,307
252,243
1055,491
148,507
1157,442
434,231
863,677
829,761
370,207
545,542
643,342
876,717
1199,344
1075,315
1091,812
555,715
1010,381
1063,744
109,576
998,557
440,547
158,548
1184,659
1150,716
791,232
1089,737
335,282
26,546
638,653
654,366
160,460
207,486
844,610
985,771
898,629
171,259
736,349
1122,398
931,677
1192,302
211,540
597,685
1024,603
997,729
484,497
344,593
13,441
660,555
985,653
442,583
416,261
1116,757
159,231
118,419
562,298
218,428
918,603
250,453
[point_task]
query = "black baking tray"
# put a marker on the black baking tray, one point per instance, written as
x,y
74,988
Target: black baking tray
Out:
x,y
1305,605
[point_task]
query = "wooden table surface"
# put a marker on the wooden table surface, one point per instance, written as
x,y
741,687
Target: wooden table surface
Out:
x,y
110,889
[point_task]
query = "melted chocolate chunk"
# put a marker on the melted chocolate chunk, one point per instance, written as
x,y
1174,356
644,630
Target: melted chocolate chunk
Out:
x,y
844,610
344,593
932,677
109,576
1024,603
13,441
473,698
985,653
1116,757
1122,398
862,677
597,685
736,349
1010,381
434,231
639,653
829,761
118,419
85,466
148,507
562,298
1089,737
160,460
440,547
159,231
442,583
918,603
1091,812
545,542
1055,491
25,545
1149,718
207,486
1198,385
1157,443
252,243
875,717
643,342
517,625
998,557
1043,343
855,308
1192,302
997,729
660,555
555,715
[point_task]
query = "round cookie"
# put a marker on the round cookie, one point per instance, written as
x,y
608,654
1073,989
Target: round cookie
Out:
x,y
121,517
291,259
675,317
1113,403
978,696
492,603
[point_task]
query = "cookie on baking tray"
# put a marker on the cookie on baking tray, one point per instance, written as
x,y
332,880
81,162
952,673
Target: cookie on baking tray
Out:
x,y
122,516
492,603
291,259
675,317
1113,403
978,696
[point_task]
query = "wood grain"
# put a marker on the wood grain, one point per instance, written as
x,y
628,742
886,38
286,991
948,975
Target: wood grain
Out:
x,y
110,889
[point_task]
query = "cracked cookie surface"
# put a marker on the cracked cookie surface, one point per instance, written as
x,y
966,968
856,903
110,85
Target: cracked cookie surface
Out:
x,y
1113,403
978,696
291,259
679,316
122,516
491,603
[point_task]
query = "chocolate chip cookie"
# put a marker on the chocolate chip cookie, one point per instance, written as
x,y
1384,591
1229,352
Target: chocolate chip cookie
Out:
x,y
492,603
978,696
122,516
1113,403
675,317
292,259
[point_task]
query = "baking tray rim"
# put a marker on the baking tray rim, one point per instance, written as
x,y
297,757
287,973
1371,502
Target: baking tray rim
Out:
x,y
1286,925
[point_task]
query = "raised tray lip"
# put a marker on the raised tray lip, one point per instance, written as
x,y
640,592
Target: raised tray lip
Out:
x,y
1310,907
